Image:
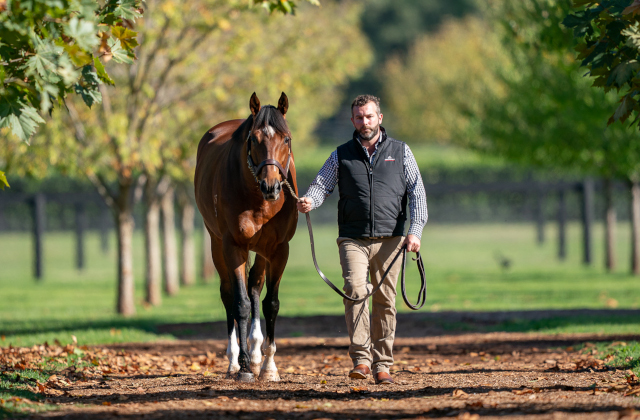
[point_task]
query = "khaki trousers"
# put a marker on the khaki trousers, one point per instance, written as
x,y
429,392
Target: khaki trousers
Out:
x,y
371,342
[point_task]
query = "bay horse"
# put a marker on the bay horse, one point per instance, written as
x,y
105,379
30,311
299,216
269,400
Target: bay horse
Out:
x,y
245,208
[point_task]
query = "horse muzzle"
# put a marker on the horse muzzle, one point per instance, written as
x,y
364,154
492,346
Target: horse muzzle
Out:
x,y
270,192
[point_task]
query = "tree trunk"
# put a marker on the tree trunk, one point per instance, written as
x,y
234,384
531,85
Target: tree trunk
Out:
x,y
170,248
188,273
153,277
208,269
610,226
635,228
124,222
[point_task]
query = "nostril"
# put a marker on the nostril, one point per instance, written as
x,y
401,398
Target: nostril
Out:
x,y
277,187
263,187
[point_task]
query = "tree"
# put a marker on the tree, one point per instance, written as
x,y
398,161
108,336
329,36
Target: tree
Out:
x,y
508,87
49,49
436,93
565,128
608,34
196,61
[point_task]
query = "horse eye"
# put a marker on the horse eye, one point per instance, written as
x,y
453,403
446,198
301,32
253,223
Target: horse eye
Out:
x,y
286,140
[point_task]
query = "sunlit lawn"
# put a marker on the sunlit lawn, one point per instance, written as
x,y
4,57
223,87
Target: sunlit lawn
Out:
x,y
461,262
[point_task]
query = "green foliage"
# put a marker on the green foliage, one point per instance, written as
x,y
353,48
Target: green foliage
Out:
x,y
550,116
608,34
437,92
507,85
3,180
49,49
284,6
198,63
393,25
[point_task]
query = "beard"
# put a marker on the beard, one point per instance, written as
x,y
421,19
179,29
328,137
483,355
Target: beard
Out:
x,y
368,135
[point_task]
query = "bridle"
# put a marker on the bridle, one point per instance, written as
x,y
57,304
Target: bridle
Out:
x,y
255,170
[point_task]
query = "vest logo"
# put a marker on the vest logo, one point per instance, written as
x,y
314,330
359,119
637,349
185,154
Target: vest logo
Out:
x,y
389,159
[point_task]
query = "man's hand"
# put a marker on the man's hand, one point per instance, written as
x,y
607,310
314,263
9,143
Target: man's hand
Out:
x,y
412,242
305,203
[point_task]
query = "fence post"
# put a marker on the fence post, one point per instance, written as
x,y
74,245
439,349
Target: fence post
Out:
x,y
587,218
39,221
540,215
562,225
81,221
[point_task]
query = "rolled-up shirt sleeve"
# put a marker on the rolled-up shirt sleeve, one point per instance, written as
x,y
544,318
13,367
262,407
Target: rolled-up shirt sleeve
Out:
x,y
416,194
325,182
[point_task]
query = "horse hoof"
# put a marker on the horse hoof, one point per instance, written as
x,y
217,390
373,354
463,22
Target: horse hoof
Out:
x,y
245,377
255,368
269,376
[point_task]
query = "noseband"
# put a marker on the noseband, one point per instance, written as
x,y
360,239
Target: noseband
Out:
x,y
255,170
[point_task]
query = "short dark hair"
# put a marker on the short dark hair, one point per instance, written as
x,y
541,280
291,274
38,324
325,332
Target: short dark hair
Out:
x,y
362,100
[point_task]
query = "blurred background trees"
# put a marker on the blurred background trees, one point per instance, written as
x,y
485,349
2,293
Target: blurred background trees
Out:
x,y
497,78
505,82
196,61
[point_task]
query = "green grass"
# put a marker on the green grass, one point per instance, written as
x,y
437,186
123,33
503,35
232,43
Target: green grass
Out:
x,y
462,270
626,356
618,354
17,396
16,399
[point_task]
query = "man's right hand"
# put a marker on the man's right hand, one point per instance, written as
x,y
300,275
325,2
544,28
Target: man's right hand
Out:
x,y
304,204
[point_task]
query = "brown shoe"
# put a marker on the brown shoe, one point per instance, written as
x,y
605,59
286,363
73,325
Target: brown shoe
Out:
x,y
360,372
383,378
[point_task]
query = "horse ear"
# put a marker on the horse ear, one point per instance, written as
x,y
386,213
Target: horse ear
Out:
x,y
283,104
254,104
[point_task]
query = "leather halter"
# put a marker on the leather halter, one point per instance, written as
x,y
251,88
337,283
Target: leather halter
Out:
x,y
256,169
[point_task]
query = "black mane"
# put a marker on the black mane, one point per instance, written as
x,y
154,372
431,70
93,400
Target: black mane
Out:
x,y
270,116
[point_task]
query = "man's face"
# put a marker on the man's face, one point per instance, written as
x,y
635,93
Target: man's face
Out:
x,y
366,120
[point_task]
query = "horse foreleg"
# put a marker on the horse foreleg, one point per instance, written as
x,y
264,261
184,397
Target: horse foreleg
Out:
x,y
236,258
233,350
270,307
226,293
256,281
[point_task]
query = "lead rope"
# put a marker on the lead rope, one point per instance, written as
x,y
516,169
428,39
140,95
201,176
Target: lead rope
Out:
x,y
422,294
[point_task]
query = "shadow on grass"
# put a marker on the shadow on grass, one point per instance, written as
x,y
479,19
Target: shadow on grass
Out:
x,y
426,324
416,324
13,398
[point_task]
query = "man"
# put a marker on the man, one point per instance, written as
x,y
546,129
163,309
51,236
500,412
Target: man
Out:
x,y
375,175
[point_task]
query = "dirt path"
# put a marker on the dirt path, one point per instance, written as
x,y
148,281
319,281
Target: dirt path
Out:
x,y
497,375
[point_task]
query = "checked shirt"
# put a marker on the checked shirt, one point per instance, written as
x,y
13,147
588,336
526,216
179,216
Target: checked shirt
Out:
x,y
327,179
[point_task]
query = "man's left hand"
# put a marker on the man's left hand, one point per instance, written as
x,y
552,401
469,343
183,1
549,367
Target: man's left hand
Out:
x,y
412,242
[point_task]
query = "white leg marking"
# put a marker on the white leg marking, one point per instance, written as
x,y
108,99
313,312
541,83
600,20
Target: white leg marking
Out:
x,y
269,369
233,351
255,341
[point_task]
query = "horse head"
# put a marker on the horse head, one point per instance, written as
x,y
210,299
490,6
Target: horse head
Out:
x,y
269,142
